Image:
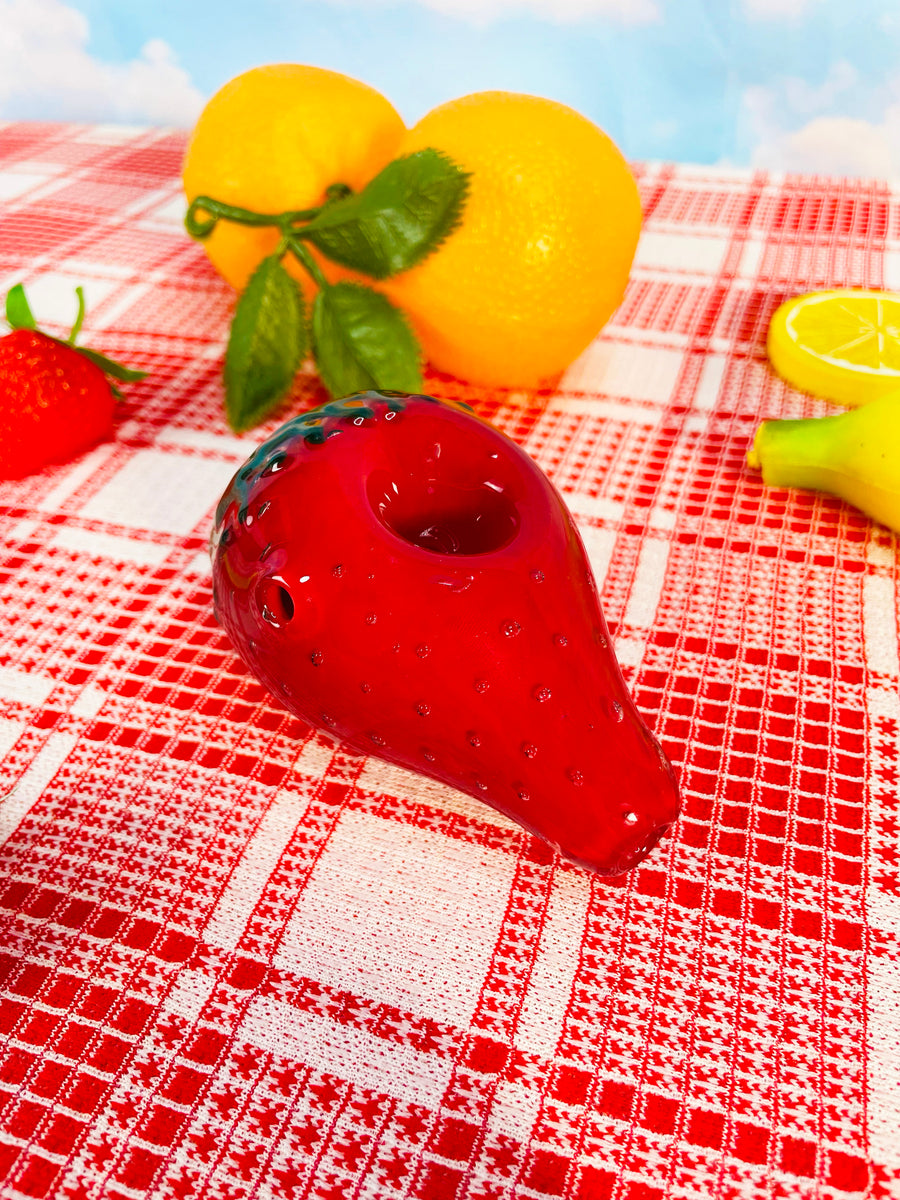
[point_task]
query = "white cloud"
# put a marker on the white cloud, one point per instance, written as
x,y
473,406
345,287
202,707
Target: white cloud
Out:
x,y
46,71
806,98
484,12
792,125
836,146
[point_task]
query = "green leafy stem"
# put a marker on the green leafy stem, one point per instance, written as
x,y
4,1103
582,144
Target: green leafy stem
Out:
x,y
358,338
288,222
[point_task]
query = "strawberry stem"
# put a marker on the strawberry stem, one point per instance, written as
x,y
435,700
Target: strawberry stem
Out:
x,y
79,319
20,316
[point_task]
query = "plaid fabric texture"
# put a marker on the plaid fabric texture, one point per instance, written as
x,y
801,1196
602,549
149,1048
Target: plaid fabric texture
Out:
x,y
238,960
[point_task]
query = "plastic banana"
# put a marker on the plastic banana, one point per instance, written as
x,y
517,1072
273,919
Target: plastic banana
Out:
x,y
855,455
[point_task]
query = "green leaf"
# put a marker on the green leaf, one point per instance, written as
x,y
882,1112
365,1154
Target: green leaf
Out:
x,y
266,345
362,341
399,217
110,366
18,310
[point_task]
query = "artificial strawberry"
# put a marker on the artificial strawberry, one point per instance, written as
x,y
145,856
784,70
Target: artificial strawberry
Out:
x,y
398,572
55,398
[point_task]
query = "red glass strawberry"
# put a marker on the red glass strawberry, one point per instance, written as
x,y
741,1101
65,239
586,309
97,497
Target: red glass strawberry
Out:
x,y
55,398
400,573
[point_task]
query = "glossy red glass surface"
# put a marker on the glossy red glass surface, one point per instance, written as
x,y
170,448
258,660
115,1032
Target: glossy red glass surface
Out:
x,y
401,574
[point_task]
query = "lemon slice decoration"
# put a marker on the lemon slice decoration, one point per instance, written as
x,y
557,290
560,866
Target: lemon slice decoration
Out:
x,y
841,345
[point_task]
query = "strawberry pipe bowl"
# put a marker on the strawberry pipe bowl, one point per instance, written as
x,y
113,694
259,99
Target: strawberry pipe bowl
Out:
x,y
399,573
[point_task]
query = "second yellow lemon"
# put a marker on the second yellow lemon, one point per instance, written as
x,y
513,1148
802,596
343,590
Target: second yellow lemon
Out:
x,y
542,255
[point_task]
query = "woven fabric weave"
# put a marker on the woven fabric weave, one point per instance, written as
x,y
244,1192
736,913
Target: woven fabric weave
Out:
x,y
239,960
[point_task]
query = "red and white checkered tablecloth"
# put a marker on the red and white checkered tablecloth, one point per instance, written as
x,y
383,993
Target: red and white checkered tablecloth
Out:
x,y
240,961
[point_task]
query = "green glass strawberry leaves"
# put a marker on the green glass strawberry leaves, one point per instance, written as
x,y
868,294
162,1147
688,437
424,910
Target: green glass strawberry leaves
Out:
x,y
358,339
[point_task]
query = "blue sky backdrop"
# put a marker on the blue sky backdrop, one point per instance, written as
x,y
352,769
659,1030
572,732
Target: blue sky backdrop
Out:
x,y
804,85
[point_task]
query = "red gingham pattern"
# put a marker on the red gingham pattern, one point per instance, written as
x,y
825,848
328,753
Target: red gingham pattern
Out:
x,y
240,961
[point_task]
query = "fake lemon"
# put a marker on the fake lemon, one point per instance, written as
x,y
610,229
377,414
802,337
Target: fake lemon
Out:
x,y
841,345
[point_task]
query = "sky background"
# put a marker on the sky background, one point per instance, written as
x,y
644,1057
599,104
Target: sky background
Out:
x,y
800,85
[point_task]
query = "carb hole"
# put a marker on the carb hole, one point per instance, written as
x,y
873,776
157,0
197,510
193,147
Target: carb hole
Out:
x,y
276,605
287,604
